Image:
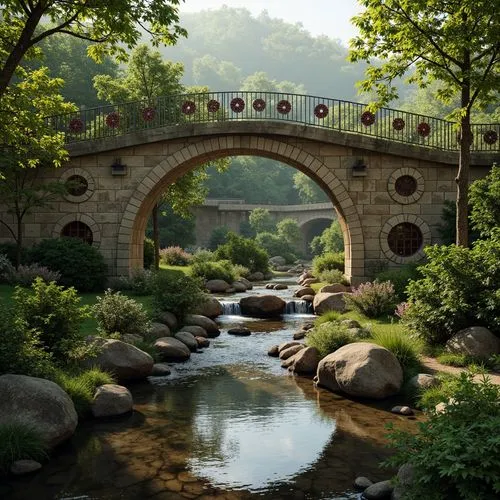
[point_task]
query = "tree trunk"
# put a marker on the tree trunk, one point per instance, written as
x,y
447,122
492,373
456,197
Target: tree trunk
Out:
x,y
19,241
156,236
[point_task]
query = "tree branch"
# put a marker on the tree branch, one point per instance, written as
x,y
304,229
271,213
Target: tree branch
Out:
x,y
9,228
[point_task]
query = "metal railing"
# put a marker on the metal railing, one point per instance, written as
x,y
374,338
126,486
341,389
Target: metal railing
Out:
x,y
321,112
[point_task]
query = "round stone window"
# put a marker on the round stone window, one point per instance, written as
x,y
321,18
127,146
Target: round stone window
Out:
x,y
405,239
78,229
406,185
76,185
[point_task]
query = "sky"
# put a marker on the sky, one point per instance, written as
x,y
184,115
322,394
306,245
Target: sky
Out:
x,y
320,17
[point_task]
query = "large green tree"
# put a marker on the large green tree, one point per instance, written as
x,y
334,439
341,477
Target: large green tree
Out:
x,y
111,26
453,42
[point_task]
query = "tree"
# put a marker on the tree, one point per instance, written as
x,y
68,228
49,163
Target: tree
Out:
x,y
308,190
112,27
331,240
289,231
454,42
261,221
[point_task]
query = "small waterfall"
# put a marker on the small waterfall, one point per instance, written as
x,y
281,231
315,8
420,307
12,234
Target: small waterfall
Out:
x,y
298,307
230,308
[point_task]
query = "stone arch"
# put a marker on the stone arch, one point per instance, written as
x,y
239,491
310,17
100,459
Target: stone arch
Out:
x,y
314,226
66,219
138,209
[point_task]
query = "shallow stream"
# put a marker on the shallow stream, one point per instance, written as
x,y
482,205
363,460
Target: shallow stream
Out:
x,y
228,424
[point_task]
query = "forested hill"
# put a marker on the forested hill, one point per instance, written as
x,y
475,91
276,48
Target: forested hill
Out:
x,y
228,45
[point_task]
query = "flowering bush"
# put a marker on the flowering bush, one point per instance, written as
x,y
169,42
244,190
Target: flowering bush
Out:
x,y
6,268
140,282
401,309
373,299
25,275
175,256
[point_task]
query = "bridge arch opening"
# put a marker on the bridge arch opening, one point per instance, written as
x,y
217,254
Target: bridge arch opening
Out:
x,y
314,228
148,192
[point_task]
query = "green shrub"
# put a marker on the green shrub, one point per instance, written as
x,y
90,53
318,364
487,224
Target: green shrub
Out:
x,y
80,264
10,251
241,271
175,256
449,359
328,337
177,293
18,441
400,278
459,288
20,349
327,262
202,255
115,312
275,244
220,270
333,276
25,275
140,282
6,269
406,348
327,317
373,299
55,313
218,237
245,252
148,253
454,454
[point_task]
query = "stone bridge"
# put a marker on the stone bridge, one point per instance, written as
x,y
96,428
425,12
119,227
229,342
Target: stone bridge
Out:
x,y
387,174
312,218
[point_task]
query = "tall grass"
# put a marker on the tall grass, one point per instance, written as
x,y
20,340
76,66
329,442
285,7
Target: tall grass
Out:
x,y
19,441
328,337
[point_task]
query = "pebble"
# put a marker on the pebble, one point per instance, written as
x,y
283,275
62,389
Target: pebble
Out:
x,y
402,410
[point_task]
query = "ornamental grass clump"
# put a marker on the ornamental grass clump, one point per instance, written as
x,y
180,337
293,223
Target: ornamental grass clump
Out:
x,y
328,337
373,299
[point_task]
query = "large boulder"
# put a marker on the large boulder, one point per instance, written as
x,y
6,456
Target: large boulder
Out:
x,y
334,288
196,330
168,318
326,301
291,351
171,349
277,261
110,400
304,290
158,330
305,361
187,338
262,306
475,341
310,281
40,404
217,286
256,276
211,308
246,282
238,286
208,324
361,369
125,361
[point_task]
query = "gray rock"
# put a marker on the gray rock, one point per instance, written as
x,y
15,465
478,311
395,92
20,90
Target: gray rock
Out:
x,y
196,330
208,324
40,404
273,351
379,491
423,381
111,400
404,479
361,369
262,306
188,339
305,290
171,349
288,363
474,341
402,410
168,318
20,467
309,281
280,286
132,338
202,342
242,331
257,276
305,361
361,483
247,283
277,260
125,361
238,286
299,335
211,307
291,351
158,330
286,345
160,370
335,288
217,286
308,298
324,302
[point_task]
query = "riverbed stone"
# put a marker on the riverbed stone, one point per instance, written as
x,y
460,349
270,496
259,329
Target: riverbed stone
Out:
x,y
188,339
324,302
305,361
422,381
125,361
208,324
273,351
379,491
402,410
334,288
40,404
196,330
361,369
158,330
262,306
172,349
256,276
160,370
111,400
286,345
247,283
310,281
290,351
475,341
241,331
203,342
308,298
217,286
361,483
210,307
404,479
299,335
305,290
238,286
280,286
21,467
288,362
168,318
131,338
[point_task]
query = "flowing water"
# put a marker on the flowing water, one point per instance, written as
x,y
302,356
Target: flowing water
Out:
x,y
228,424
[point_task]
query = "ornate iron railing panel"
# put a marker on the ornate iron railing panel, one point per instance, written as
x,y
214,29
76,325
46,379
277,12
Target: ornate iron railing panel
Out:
x,y
321,112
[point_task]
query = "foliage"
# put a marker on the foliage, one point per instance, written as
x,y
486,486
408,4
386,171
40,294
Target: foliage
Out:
x,y
261,221
328,337
25,275
448,230
174,229
241,271
203,256
406,348
55,313
450,359
401,309
327,317
275,245
332,276
484,195
328,261
245,252
148,253
80,264
81,387
19,441
175,256
289,231
453,452
331,240
140,282
459,288
400,277
220,270
373,299
115,312
6,269
177,293
20,349
308,190
218,237
10,251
